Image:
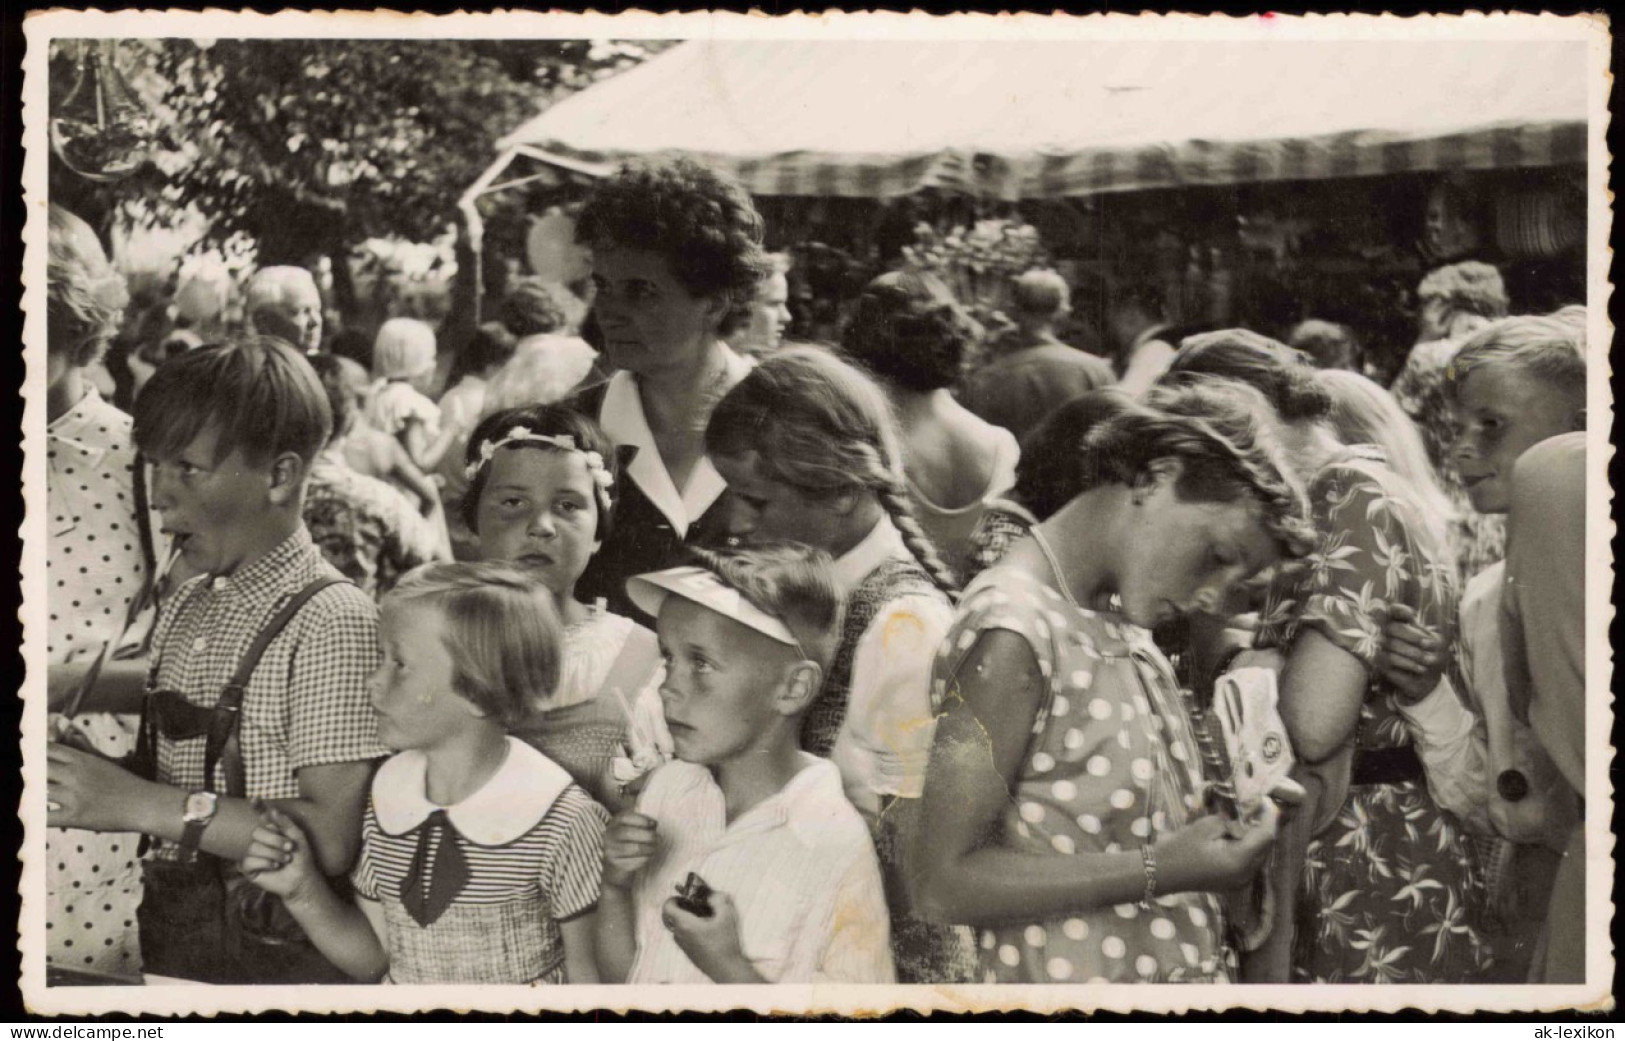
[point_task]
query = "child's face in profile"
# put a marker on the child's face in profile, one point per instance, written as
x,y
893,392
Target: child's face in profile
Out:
x,y
411,691
1501,412
720,677
539,510
215,510
762,509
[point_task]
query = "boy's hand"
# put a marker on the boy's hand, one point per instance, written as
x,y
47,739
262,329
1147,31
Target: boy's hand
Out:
x,y
712,944
629,842
1412,658
88,790
279,859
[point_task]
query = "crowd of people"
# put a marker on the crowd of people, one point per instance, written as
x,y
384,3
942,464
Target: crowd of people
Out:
x,y
695,655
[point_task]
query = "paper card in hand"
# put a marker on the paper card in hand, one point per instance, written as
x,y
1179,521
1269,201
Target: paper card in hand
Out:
x,y
1245,702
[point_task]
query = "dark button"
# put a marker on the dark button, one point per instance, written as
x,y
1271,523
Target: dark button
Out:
x,y
1512,785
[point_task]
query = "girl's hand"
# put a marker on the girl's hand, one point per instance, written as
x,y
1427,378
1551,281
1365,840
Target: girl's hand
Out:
x,y
712,944
1412,658
279,859
629,842
1212,854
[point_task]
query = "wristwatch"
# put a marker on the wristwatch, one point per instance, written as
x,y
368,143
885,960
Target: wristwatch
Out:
x,y
196,813
1511,785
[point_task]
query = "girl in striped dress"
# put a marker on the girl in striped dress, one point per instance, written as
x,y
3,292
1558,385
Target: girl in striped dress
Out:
x,y
480,857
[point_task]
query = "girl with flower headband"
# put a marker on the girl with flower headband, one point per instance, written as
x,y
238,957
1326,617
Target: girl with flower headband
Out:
x,y
542,485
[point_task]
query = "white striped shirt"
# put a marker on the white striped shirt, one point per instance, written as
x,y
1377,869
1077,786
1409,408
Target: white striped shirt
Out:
x,y
799,867
529,830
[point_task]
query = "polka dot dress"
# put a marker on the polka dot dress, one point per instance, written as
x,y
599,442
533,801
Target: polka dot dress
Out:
x,y
1111,764
94,568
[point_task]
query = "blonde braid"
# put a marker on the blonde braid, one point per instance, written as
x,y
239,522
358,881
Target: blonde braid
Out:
x,y
893,498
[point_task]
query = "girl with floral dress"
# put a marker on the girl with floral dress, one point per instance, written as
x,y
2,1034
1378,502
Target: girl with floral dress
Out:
x,y
541,495
1390,888
1062,801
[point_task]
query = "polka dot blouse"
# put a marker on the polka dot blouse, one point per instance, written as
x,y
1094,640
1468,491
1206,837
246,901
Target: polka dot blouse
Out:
x,y
1111,763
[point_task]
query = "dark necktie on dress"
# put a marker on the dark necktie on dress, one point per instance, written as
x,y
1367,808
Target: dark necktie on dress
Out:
x,y
429,889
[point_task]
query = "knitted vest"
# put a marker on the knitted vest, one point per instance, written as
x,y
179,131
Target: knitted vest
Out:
x,y
892,579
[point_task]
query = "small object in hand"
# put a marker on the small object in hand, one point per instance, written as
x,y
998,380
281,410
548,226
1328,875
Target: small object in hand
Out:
x,y
1512,785
694,896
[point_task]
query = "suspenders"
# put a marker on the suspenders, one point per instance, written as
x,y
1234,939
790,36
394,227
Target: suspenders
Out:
x,y
170,714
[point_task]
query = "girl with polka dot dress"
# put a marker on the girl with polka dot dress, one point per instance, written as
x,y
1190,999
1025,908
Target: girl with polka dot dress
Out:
x,y
1062,806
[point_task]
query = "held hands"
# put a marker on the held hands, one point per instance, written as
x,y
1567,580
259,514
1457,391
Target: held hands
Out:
x,y
88,790
279,858
629,843
1412,658
712,944
1213,854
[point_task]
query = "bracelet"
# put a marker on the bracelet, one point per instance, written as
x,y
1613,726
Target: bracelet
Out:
x,y
1149,857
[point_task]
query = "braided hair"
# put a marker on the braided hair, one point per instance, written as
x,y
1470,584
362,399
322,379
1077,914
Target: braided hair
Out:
x,y
1223,434
822,426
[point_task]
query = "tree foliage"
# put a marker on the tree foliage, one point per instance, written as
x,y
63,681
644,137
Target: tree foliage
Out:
x,y
311,146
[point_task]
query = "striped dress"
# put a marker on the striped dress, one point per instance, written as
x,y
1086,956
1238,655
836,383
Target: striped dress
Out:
x,y
533,842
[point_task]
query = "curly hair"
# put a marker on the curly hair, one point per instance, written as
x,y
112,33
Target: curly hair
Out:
x,y
907,329
1286,377
822,426
84,295
531,306
703,223
549,421
1223,435
1471,287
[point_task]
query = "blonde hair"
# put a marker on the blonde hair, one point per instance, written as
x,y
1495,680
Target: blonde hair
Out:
x,y
84,294
501,632
1549,348
824,427
794,583
404,348
1364,413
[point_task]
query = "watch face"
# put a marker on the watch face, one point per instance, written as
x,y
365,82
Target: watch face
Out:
x,y
199,806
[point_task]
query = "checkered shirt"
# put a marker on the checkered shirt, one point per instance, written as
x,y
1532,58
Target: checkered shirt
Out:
x,y
306,703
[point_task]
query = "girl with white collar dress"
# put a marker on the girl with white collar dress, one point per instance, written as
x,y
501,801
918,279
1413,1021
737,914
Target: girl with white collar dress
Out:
x,y
480,857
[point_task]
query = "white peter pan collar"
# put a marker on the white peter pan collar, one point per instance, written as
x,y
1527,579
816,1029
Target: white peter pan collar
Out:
x,y
623,420
512,802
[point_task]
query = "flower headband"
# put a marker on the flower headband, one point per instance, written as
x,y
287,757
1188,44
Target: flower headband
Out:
x,y
602,479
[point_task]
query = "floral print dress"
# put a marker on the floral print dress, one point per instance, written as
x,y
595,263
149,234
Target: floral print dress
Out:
x,y
1111,764
1392,892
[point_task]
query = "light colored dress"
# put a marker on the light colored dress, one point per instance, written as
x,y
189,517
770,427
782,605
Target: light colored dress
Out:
x,y
1111,764
94,568
608,661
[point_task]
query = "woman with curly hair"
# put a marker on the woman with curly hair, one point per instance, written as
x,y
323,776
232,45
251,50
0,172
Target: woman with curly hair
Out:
x,y
1389,889
677,256
907,329
1062,805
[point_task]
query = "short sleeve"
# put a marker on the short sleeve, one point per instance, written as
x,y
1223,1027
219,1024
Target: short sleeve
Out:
x,y
1014,606
330,716
364,876
572,876
1367,560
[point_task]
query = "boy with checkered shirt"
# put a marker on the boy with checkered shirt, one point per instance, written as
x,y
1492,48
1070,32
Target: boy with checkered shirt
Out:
x,y
231,432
